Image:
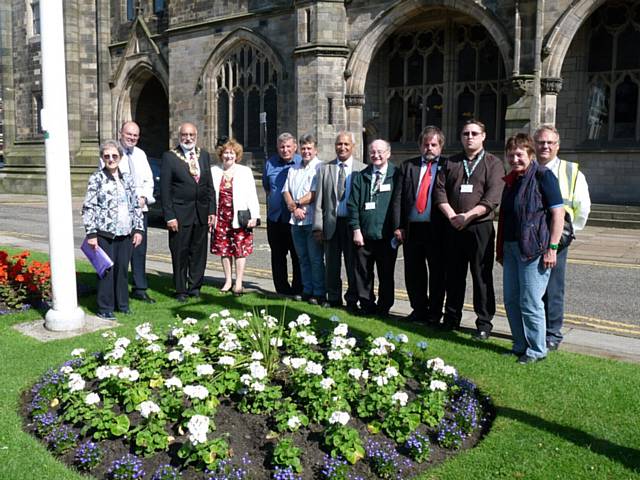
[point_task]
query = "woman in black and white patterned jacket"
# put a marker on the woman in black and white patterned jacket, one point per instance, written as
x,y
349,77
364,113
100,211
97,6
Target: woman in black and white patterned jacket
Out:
x,y
112,220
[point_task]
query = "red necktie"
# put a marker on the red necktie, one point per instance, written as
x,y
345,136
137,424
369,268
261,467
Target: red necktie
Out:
x,y
423,193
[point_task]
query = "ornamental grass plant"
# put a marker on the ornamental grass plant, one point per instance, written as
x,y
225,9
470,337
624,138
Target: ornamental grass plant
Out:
x,y
572,416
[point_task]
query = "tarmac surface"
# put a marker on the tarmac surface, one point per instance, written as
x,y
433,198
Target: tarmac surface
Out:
x,y
595,246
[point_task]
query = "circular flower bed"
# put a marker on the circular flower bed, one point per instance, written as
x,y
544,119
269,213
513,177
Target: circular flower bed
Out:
x,y
255,398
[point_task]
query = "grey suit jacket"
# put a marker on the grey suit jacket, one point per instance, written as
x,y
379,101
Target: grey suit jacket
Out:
x,y
326,208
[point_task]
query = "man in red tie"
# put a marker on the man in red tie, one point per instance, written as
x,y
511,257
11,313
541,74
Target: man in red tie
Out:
x,y
419,229
467,191
189,207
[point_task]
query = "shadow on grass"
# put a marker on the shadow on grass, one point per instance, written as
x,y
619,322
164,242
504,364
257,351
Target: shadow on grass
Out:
x,y
625,456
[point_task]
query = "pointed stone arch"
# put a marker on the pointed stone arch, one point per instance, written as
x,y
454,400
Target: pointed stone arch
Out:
x,y
230,44
401,12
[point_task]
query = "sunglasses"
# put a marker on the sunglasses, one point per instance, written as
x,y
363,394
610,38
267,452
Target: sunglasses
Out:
x,y
471,134
111,156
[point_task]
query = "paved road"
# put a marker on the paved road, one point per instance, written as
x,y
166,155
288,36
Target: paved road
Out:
x,y
603,271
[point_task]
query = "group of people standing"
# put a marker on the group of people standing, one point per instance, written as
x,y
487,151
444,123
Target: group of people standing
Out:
x,y
323,215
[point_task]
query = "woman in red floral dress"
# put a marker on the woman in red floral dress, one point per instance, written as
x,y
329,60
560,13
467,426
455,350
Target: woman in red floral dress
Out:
x,y
235,190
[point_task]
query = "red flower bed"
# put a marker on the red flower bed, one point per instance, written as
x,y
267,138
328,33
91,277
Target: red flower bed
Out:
x,y
23,281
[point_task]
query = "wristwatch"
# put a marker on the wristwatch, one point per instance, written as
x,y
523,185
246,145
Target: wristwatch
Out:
x,y
553,246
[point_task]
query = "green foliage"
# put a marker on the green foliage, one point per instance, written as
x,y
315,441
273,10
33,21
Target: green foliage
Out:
x,y
344,441
286,454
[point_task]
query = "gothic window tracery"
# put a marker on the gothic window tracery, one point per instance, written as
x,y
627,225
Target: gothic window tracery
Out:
x,y
613,111
246,85
444,74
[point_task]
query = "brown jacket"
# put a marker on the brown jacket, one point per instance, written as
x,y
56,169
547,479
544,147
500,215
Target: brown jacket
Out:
x,y
486,180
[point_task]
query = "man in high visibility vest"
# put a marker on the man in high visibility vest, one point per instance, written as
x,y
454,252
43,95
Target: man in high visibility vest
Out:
x,y
575,194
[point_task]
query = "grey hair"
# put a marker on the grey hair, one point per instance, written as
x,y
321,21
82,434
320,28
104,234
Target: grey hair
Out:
x,y
308,138
285,137
431,131
346,133
111,143
387,145
546,127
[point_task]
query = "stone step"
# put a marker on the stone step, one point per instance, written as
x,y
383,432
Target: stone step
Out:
x,y
614,216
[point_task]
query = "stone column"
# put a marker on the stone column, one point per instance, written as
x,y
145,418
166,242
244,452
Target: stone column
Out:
x,y
550,88
518,116
354,104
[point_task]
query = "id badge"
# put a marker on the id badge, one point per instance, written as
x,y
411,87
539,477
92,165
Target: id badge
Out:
x,y
466,188
385,187
370,205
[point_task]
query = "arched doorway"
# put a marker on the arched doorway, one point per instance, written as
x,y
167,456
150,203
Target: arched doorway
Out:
x,y
151,112
437,69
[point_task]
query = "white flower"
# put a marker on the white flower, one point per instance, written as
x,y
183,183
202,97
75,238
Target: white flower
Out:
x,y
122,342
257,370
292,325
402,338
198,427
275,342
381,380
117,353
67,369
92,398
308,338
257,386
213,315
189,340
76,383
153,347
189,321
225,313
143,332
177,332
341,330
226,360
391,372
242,323
365,374
355,372
246,379
382,347
294,363
294,422
339,417
257,356
327,383
109,334
147,408
435,363
437,385
334,355
334,318
205,369
313,368
270,321
449,370
106,371
173,382
399,397
196,391
128,374
176,356
77,352
303,319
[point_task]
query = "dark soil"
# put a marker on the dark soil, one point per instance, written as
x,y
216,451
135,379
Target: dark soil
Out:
x,y
250,436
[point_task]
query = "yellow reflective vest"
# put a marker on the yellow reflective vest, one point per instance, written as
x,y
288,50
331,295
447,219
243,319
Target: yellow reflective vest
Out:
x,y
567,177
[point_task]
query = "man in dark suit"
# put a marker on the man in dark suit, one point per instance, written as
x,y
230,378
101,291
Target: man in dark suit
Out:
x,y
371,219
189,207
331,220
420,229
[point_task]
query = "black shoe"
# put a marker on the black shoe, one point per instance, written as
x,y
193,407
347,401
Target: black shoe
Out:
x,y
332,304
526,359
142,296
125,311
552,346
194,293
182,297
352,308
414,317
481,335
106,315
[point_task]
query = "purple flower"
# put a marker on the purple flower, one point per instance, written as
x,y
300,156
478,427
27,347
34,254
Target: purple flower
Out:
x,y
88,455
128,467
166,472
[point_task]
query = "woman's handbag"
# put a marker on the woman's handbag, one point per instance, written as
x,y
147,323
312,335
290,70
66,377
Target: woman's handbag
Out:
x,y
243,219
567,232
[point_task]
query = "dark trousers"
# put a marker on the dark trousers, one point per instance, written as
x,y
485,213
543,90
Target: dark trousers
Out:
x,y
341,244
426,287
471,248
554,298
380,254
281,245
113,288
139,260
188,248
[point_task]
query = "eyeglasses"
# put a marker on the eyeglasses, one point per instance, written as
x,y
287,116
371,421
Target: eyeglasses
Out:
x,y
546,142
111,156
188,134
471,134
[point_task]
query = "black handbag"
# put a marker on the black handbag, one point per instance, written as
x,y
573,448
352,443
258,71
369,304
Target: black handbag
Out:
x,y
567,232
243,219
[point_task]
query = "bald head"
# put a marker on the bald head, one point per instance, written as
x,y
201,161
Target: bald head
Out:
x,y
129,134
188,135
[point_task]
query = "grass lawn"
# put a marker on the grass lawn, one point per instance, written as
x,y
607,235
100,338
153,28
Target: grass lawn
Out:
x,y
569,417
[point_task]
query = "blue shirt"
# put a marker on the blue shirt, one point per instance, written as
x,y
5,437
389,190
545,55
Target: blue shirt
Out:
x,y
274,177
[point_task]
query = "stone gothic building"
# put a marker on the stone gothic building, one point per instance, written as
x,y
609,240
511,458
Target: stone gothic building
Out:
x,y
381,68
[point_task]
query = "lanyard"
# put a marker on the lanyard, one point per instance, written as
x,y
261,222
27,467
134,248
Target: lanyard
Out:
x,y
465,164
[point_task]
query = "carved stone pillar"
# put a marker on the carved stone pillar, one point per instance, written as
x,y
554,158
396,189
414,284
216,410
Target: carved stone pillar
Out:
x,y
518,116
550,87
